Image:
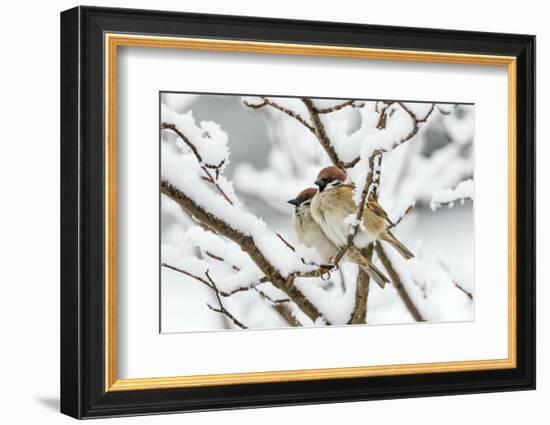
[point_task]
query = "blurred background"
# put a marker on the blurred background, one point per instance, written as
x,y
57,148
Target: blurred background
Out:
x,y
273,157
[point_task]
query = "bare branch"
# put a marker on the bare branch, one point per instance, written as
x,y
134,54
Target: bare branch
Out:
x,y
207,283
285,242
407,211
222,309
320,132
455,283
342,105
220,259
186,273
465,291
396,280
383,116
413,115
184,138
271,300
289,112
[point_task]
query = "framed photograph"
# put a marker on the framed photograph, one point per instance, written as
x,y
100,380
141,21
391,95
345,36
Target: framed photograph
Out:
x,y
261,212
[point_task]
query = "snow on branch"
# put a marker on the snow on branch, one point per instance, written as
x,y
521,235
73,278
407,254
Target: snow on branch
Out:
x,y
463,191
250,244
359,152
182,181
255,255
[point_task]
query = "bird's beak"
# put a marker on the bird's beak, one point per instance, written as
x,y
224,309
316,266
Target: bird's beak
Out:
x,y
294,202
321,184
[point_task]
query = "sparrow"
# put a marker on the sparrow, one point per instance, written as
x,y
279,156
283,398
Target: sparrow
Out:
x,y
334,203
307,230
311,234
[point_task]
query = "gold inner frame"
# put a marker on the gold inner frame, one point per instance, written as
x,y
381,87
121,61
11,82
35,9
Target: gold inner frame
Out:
x,y
113,41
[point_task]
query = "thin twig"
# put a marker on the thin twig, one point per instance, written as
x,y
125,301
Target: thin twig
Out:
x,y
289,112
222,309
184,138
320,132
271,300
465,291
455,283
335,108
383,116
285,242
407,211
205,282
222,260
396,280
413,115
204,167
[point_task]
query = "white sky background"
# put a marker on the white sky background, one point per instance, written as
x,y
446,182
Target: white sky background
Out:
x,y
442,238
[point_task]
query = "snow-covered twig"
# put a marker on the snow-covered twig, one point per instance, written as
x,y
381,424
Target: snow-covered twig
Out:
x,y
342,105
320,132
403,215
381,124
204,166
417,124
463,191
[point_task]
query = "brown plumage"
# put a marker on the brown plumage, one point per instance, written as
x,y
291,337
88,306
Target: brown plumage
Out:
x,y
334,203
307,230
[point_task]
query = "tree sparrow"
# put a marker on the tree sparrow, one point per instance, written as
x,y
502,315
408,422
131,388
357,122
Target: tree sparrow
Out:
x,y
307,230
334,203
310,234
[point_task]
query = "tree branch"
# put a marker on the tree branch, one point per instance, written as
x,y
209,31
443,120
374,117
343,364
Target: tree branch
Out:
x,y
207,283
289,112
342,105
396,280
222,309
204,167
359,313
320,132
247,245
465,291
407,211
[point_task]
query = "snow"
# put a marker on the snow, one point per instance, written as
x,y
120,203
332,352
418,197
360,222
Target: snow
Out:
x,y
207,137
410,175
182,170
463,190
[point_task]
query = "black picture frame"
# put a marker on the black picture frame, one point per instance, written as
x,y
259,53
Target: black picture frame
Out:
x,y
83,392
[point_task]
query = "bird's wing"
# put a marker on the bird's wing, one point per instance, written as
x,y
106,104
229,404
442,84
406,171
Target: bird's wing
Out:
x,y
376,208
335,206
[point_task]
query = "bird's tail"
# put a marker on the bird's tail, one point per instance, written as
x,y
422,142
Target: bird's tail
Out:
x,y
398,245
374,272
